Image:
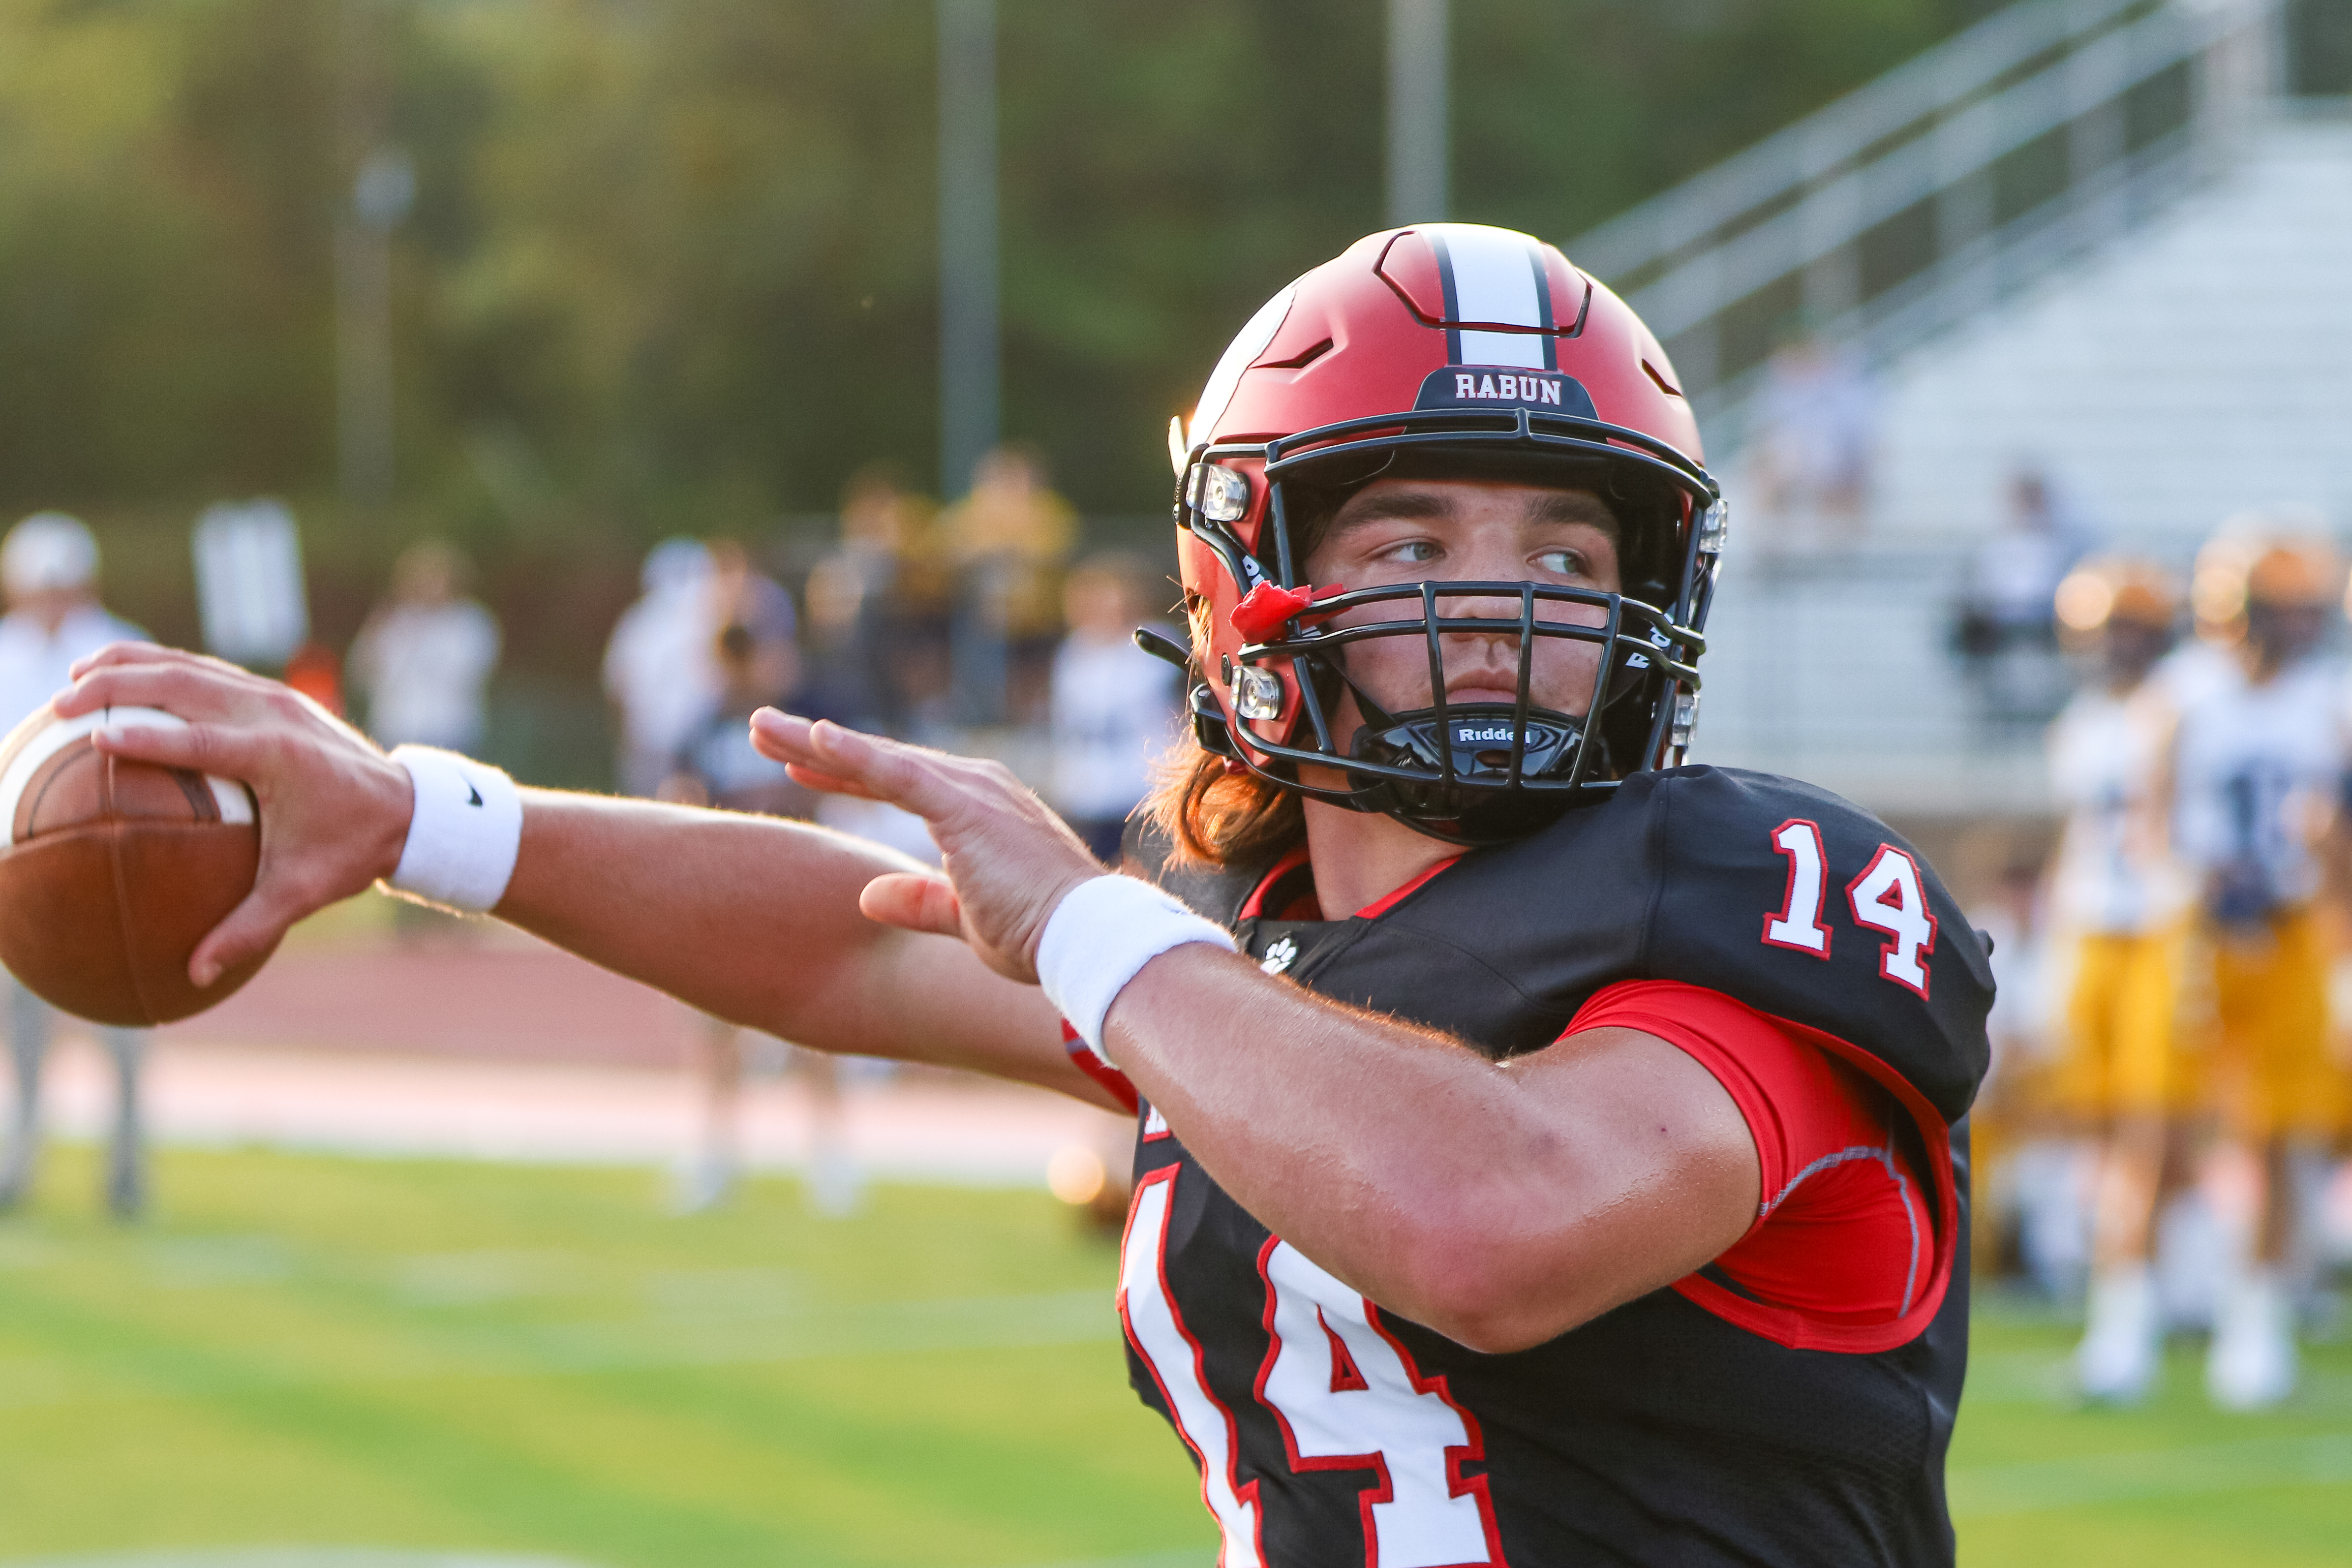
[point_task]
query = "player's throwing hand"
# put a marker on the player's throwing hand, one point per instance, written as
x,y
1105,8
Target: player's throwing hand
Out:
x,y
334,808
1009,859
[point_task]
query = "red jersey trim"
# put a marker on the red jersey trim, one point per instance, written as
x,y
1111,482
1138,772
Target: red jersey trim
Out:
x,y
1253,907
1389,900
1784,1325
1082,1056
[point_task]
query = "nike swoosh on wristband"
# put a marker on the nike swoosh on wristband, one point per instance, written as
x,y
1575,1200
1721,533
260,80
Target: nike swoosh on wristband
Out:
x,y
475,794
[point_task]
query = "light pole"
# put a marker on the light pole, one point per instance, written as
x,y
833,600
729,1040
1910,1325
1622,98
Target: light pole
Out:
x,y
1417,111
968,329
381,198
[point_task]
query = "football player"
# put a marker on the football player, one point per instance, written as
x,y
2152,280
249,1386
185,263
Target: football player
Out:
x,y
2120,897
2259,764
1563,1169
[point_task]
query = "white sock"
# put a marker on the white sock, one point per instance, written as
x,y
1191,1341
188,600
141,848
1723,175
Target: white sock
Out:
x,y
2117,1358
2253,1365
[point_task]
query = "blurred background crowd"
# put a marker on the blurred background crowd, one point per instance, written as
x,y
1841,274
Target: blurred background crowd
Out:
x,y
970,627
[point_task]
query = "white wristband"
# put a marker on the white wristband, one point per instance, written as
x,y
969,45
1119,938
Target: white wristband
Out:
x,y
463,833
1100,935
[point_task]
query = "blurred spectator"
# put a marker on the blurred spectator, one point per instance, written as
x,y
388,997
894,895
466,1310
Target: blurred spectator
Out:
x,y
424,656
1009,535
48,568
1113,705
872,605
717,765
658,666
2013,578
740,594
2006,629
836,1184
880,822
1817,426
2006,1121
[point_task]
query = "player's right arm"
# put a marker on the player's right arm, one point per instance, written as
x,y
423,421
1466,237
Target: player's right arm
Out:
x,y
751,919
757,919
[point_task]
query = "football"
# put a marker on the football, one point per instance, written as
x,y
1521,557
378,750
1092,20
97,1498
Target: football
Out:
x,y
114,869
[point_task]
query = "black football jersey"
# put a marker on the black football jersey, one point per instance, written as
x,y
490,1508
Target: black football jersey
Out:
x,y
1679,1427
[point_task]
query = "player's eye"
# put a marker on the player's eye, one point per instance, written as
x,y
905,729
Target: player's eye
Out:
x,y
1411,552
1564,563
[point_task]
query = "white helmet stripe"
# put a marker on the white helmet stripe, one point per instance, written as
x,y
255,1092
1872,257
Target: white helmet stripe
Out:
x,y
1495,275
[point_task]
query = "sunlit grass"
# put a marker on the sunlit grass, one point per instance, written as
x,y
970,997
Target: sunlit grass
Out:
x,y
509,1358
485,1357
2036,1480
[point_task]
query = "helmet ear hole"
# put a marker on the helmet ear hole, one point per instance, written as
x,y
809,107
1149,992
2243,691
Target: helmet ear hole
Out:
x,y
1649,517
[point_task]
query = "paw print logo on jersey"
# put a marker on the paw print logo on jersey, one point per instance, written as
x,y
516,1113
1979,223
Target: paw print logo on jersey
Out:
x,y
1279,956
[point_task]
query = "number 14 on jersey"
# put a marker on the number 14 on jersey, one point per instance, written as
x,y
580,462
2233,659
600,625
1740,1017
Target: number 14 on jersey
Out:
x,y
1887,897
1347,1395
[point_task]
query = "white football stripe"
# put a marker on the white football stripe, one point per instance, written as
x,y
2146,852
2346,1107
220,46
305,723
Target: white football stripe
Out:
x,y
236,800
235,803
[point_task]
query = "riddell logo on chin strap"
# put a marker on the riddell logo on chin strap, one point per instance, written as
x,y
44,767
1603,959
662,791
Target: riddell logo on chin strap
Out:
x,y
1493,733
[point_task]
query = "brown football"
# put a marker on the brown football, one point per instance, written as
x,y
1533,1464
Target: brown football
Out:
x,y
113,870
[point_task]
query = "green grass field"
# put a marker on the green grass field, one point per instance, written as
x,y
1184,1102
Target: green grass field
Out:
x,y
487,1359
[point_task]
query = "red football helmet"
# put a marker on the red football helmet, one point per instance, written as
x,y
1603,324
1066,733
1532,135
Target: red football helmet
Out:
x,y
1445,351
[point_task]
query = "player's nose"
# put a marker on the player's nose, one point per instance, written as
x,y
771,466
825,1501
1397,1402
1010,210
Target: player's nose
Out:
x,y
1504,611
1493,647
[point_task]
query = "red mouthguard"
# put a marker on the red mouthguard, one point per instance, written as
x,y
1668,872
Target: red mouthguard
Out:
x,y
1259,617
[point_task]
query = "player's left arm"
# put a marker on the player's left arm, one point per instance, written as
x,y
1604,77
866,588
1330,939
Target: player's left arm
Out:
x,y
1501,1203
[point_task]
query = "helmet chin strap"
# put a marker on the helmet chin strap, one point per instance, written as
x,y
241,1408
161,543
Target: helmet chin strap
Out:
x,y
1480,740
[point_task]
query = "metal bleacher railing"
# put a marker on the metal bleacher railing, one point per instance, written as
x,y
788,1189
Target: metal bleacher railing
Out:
x,y
1919,199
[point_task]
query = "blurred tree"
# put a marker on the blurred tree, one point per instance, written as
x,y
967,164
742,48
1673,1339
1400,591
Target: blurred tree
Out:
x,y
671,265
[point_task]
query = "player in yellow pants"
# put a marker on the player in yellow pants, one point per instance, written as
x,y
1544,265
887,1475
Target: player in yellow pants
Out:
x,y
2273,1078
2126,1073
2260,763
2121,1077
2122,1054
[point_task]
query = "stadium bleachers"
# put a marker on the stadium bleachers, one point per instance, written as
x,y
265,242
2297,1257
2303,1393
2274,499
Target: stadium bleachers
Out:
x,y
2165,333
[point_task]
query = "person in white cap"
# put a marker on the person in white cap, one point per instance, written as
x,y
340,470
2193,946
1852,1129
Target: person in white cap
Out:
x,y
48,568
658,666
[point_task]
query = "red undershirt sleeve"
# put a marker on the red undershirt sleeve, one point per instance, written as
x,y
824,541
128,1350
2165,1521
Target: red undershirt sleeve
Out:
x,y
1842,1240
1114,1082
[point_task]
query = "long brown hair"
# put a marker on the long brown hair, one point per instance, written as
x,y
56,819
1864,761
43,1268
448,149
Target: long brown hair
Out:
x,y
1212,811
